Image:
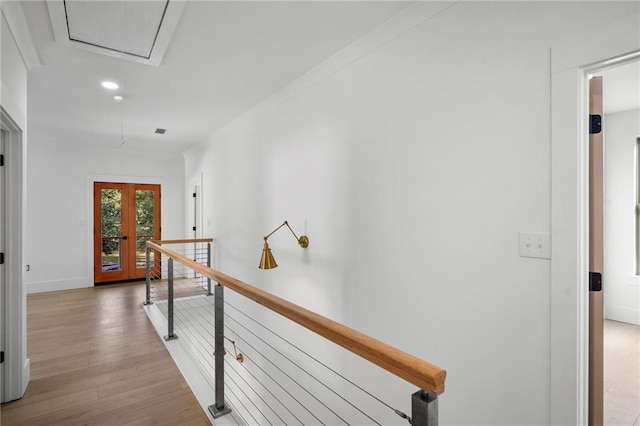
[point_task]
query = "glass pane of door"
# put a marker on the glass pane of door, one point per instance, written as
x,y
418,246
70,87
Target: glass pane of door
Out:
x,y
111,234
145,224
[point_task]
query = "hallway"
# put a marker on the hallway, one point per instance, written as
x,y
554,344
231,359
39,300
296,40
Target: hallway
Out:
x,y
96,359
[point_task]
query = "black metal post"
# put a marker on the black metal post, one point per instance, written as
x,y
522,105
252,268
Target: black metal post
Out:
x,y
148,277
424,409
209,265
171,335
219,408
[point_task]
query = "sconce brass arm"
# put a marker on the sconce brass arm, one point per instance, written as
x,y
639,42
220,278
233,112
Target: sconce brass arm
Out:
x,y
303,240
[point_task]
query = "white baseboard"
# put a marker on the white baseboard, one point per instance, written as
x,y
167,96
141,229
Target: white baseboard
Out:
x,y
623,314
57,285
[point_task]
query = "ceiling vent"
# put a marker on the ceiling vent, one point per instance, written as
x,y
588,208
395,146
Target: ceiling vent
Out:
x,y
160,131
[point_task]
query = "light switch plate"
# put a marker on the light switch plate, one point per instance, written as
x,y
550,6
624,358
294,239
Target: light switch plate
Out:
x,y
535,244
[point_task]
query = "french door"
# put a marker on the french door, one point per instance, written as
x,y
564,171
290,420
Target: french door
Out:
x,y
126,216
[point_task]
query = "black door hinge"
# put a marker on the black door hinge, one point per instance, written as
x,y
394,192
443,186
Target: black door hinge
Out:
x,y
1,160
1,258
194,228
595,281
595,124
1,357
194,195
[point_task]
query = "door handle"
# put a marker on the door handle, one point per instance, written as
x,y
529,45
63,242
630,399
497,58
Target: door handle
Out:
x,y
124,237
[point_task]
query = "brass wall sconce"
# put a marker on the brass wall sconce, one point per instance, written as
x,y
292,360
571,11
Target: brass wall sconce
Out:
x,y
267,261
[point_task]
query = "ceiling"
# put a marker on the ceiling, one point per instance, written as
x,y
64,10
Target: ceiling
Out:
x,y
219,59
191,67
102,24
121,29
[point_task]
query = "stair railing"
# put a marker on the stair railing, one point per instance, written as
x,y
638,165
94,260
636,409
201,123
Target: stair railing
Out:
x,y
428,377
152,271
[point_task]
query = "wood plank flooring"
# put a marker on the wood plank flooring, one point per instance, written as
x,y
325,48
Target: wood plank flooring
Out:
x,y
182,287
621,374
97,360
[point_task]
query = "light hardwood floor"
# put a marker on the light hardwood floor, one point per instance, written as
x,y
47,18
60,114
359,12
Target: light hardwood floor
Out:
x,y
621,374
97,360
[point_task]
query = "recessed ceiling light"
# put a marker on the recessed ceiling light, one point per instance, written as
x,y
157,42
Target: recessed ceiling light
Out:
x,y
118,98
109,85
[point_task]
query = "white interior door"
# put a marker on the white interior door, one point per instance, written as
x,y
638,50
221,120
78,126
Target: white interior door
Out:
x,y
195,211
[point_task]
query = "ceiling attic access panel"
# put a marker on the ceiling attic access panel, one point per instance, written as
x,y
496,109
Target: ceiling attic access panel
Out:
x,y
138,31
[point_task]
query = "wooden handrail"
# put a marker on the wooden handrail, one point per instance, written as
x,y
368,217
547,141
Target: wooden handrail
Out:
x,y
410,368
193,240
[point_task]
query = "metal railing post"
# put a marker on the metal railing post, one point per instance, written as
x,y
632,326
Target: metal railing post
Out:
x,y
148,277
171,335
209,265
219,408
424,409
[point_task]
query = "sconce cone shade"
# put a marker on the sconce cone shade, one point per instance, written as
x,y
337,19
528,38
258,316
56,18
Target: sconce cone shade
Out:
x,y
267,261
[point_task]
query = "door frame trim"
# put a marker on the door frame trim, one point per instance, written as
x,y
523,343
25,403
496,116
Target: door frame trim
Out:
x,y
91,180
16,369
571,65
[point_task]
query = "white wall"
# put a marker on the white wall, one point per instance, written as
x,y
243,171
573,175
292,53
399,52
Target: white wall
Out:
x,y
14,74
60,231
622,285
412,169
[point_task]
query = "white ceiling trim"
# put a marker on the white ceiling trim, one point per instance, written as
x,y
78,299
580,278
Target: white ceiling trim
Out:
x,y
172,15
18,26
169,24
